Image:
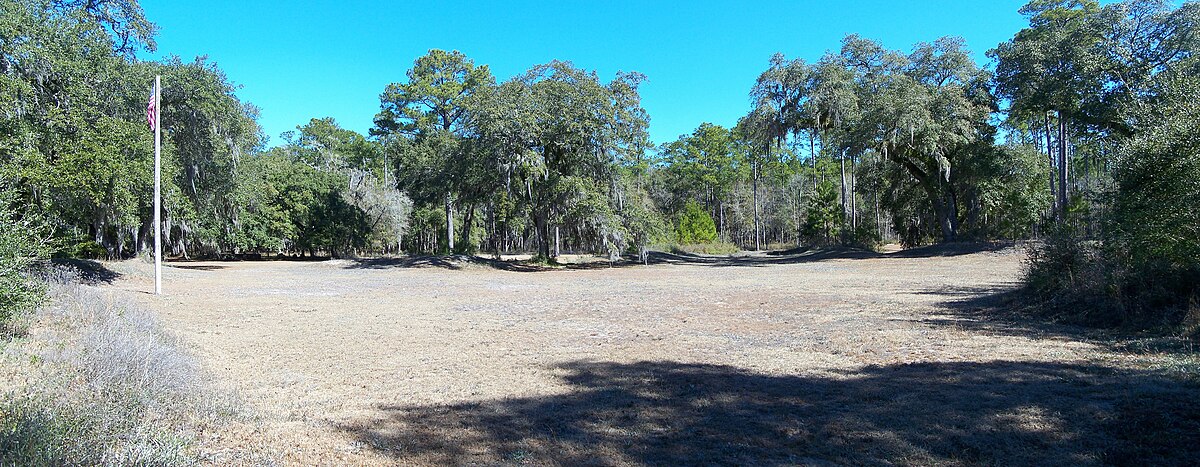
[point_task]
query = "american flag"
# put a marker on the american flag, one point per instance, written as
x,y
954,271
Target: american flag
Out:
x,y
151,111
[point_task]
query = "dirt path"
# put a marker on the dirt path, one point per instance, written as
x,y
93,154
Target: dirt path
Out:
x,y
792,360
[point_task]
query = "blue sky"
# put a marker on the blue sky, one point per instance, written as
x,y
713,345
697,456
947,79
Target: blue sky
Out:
x,y
301,60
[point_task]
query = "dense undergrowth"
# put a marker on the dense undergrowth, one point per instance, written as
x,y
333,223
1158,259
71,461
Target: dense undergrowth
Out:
x,y
1088,283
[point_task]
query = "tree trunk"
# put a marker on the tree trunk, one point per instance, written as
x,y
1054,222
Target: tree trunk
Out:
x,y
542,225
878,225
492,232
449,224
721,213
945,216
853,199
1053,175
1063,164
757,237
143,235
557,242
845,213
468,223
812,152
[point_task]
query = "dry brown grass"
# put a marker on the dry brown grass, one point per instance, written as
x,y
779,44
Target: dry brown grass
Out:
x,y
96,380
817,357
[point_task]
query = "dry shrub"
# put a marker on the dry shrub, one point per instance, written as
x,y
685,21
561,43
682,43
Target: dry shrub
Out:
x,y
105,384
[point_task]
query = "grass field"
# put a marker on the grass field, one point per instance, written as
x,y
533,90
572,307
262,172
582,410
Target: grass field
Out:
x,y
803,358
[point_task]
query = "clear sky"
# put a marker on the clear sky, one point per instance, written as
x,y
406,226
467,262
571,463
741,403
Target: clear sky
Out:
x,y
301,60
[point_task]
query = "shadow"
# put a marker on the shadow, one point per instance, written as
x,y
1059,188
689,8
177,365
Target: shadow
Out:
x,y
793,256
999,309
952,249
1008,309
196,267
250,257
90,272
770,258
445,262
458,262
668,413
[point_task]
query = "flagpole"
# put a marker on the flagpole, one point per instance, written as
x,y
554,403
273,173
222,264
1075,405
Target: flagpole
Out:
x,y
157,186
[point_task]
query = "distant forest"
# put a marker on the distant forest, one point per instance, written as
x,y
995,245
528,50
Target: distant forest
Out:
x,y
1081,132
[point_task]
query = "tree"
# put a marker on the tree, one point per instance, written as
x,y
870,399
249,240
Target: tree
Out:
x,y
701,166
695,225
76,146
928,114
1050,70
430,113
563,143
23,241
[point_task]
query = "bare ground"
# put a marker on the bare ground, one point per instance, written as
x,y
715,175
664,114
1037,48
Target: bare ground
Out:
x,y
802,358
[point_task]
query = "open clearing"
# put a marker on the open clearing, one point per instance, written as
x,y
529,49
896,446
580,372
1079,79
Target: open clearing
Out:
x,y
803,359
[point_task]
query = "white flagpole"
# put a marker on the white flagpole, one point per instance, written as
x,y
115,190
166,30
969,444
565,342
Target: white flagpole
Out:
x,y
157,186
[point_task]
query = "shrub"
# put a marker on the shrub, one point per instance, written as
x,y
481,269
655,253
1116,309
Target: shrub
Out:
x,y
89,249
1145,269
695,225
824,219
105,384
1065,273
21,246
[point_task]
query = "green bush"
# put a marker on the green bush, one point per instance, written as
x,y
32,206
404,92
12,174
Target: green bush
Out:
x,y
695,225
21,246
824,219
89,249
1068,276
1144,270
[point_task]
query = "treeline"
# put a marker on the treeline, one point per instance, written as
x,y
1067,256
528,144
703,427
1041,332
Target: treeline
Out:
x,y
1112,94
553,158
73,133
865,145
1082,134
78,155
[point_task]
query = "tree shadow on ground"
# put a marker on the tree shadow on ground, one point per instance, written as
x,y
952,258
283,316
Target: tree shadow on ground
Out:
x,y
817,254
952,249
197,267
668,413
458,262
1008,309
781,257
90,272
996,309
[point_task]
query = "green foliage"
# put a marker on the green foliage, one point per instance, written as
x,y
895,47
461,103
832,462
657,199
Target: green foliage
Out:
x,y
695,225
21,244
1142,268
319,193
563,147
427,225
824,216
425,124
76,146
1010,196
87,249
1154,218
